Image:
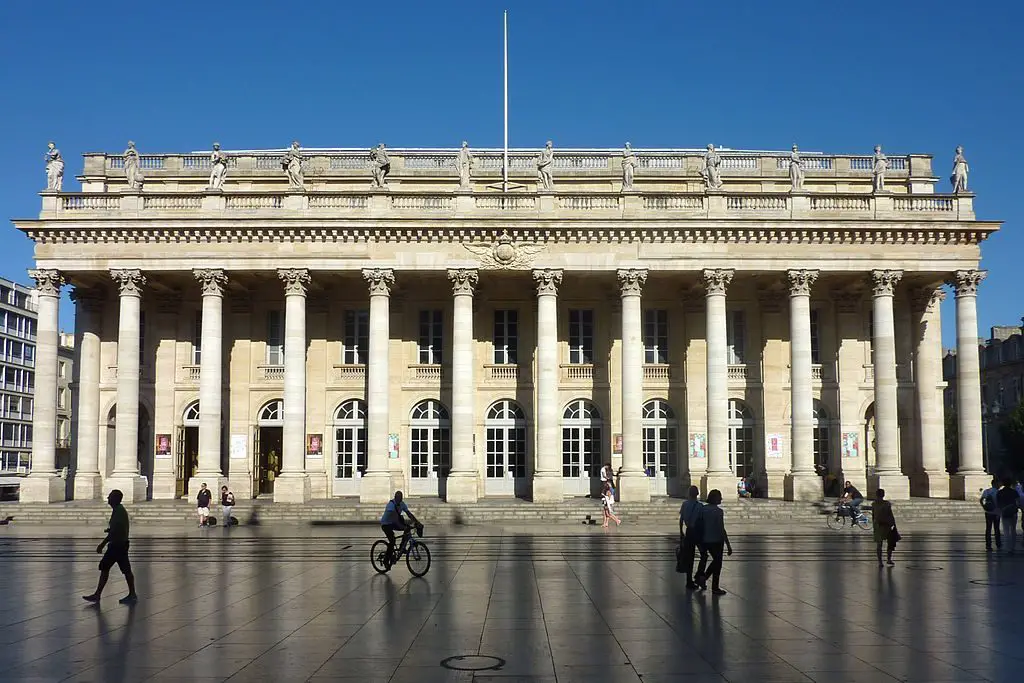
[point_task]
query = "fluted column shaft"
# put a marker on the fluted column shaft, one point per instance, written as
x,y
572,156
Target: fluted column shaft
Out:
x,y
87,411
801,391
293,449
547,483
718,470
884,360
462,482
968,374
210,377
633,485
375,487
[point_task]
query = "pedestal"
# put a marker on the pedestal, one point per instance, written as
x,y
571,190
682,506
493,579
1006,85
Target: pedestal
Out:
x,y
376,487
803,486
41,488
896,485
634,488
132,486
462,488
968,486
725,482
548,489
165,486
291,488
88,487
930,485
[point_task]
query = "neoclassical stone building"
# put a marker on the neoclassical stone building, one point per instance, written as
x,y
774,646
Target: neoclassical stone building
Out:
x,y
322,323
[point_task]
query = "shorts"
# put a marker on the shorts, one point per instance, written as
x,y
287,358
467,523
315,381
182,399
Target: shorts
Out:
x,y
203,511
116,554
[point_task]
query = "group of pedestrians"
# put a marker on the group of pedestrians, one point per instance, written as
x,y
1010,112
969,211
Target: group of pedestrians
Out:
x,y
1002,503
702,528
203,498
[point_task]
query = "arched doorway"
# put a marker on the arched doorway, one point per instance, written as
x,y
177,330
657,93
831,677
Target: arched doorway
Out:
x,y
349,447
660,442
581,448
506,450
144,452
267,444
430,449
741,439
187,454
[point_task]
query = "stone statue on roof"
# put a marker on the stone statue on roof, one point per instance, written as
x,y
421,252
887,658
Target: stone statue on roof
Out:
x,y
796,170
879,166
133,167
545,164
54,168
218,167
960,170
292,165
464,162
380,164
711,172
629,165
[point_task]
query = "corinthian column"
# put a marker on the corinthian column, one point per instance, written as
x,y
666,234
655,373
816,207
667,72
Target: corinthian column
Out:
x,y
210,381
970,476
547,479
375,486
804,483
126,422
43,485
719,475
462,482
888,474
293,484
930,480
633,483
86,414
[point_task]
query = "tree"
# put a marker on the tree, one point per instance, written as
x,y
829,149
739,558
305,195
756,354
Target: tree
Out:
x,y
1012,431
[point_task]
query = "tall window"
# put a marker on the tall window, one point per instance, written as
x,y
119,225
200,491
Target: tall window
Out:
x,y
822,438
581,336
429,440
736,335
506,337
275,338
656,336
350,440
506,440
197,338
659,439
741,439
357,337
431,337
815,339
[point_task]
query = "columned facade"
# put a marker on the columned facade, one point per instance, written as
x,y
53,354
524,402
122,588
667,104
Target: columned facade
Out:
x,y
465,343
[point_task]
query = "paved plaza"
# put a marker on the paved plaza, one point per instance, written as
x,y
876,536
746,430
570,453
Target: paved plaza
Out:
x,y
574,604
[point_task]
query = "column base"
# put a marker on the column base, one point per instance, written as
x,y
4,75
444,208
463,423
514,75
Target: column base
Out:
x,y
165,486
803,486
547,488
290,488
375,487
634,487
41,488
968,485
132,486
930,484
213,482
88,487
462,488
723,481
896,485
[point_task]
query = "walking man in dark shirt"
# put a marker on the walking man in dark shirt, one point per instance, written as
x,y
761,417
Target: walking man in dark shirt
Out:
x,y
116,544
203,504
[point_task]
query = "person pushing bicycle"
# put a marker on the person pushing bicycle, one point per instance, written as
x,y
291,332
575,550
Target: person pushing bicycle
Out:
x,y
391,521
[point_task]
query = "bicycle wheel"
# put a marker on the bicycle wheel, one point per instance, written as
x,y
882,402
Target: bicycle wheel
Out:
x,y
835,520
417,559
864,520
378,557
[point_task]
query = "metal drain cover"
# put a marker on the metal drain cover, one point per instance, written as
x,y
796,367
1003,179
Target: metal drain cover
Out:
x,y
473,663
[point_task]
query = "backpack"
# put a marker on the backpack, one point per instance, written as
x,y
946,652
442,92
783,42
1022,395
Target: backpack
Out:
x,y
988,502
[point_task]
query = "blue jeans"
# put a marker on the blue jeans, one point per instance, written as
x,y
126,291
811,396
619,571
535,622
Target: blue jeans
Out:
x,y
855,508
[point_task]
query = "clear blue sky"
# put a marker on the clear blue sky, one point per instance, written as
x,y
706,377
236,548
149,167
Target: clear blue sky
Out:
x,y
913,76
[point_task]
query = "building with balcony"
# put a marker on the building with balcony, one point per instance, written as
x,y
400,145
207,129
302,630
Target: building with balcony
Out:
x,y
309,331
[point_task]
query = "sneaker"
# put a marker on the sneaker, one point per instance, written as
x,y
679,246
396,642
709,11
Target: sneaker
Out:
x,y
91,598
129,600
718,591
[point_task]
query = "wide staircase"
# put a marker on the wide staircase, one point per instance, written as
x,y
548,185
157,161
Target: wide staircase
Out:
x,y
659,513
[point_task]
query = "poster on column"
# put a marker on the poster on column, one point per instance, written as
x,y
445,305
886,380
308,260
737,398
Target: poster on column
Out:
x,y
774,446
163,445
393,446
315,445
238,447
851,444
698,445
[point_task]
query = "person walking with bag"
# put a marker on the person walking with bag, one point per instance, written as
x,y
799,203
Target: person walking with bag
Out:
x,y
884,528
715,541
227,503
691,528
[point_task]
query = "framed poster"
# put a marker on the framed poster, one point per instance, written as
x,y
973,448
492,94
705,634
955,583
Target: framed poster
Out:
x,y
393,446
238,447
851,444
774,446
163,445
617,444
698,445
315,445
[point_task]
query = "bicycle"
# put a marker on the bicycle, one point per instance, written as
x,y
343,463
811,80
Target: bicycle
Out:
x,y
843,512
417,554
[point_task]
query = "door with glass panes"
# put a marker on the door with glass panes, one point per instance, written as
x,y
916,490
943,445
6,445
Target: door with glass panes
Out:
x,y
582,449
506,450
430,458
660,446
349,445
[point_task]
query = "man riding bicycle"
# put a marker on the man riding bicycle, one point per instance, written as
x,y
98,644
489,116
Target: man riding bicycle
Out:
x,y
854,498
392,521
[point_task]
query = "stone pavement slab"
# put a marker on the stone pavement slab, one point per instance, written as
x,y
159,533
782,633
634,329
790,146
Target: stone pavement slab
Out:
x,y
519,603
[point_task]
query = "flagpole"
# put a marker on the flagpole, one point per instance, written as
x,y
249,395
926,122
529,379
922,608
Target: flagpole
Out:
x,y
504,164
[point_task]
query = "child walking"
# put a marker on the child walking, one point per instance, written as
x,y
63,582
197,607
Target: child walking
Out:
x,y
607,505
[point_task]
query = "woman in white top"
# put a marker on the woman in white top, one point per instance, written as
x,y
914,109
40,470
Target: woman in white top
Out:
x,y
607,505
607,477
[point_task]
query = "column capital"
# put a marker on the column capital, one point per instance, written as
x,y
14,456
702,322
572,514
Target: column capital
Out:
x,y
129,281
548,281
87,300
801,281
716,280
966,282
380,280
464,280
48,281
212,280
883,282
631,280
296,280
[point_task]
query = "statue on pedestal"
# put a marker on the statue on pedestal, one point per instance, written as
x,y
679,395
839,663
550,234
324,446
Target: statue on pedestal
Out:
x,y
712,169
878,169
545,162
380,165
132,167
54,168
960,170
629,164
218,167
292,165
796,171
464,164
